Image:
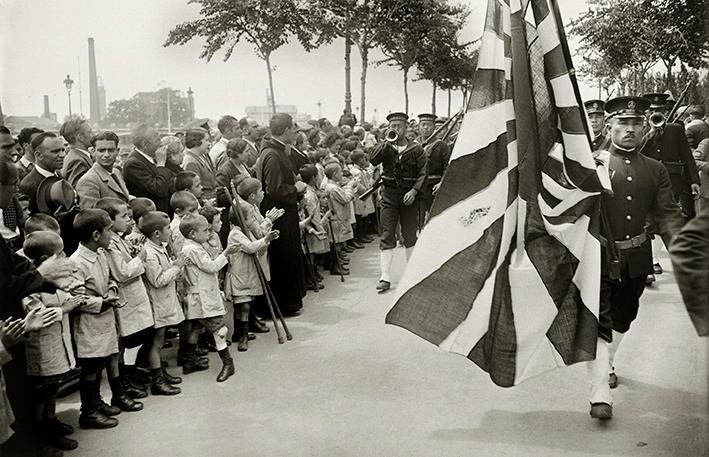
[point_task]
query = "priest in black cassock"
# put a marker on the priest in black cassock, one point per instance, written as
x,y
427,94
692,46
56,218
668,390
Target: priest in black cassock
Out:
x,y
279,164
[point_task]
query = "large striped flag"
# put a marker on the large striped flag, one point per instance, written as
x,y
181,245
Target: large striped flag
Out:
x,y
507,270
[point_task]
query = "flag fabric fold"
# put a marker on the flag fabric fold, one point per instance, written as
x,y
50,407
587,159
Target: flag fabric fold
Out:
x,y
507,270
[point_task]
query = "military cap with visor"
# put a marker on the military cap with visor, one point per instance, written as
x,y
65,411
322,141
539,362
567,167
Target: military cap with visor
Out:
x,y
657,100
627,107
397,116
594,106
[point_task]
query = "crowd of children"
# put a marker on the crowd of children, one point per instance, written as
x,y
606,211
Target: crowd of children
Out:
x,y
142,275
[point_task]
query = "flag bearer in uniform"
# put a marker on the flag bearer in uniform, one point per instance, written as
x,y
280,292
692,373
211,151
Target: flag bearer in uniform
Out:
x,y
596,117
403,178
641,188
438,154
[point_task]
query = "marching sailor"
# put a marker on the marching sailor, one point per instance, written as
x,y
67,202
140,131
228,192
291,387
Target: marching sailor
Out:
x,y
641,188
594,110
438,154
403,179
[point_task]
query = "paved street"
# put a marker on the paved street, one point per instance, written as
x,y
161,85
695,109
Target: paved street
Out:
x,y
348,385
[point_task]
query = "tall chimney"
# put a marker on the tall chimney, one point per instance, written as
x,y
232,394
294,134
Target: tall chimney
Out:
x,y
46,114
95,115
190,100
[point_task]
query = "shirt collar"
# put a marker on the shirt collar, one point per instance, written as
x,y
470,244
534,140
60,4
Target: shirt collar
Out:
x,y
85,152
249,142
158,246
25,162
147,157
87,253
44,172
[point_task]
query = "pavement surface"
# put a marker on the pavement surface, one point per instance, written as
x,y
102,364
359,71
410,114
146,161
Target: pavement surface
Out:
x,y
348,385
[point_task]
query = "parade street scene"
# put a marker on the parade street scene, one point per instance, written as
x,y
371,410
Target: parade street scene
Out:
x,y
354,228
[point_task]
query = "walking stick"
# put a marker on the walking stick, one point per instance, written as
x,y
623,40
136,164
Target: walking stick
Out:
x,y
271,303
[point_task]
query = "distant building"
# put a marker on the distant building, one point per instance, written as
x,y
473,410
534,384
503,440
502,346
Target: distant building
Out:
x,y
17,123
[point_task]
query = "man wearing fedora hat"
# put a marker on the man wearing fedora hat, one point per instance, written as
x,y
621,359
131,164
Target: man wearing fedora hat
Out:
x,y
596,118
49,156
403,179
641,188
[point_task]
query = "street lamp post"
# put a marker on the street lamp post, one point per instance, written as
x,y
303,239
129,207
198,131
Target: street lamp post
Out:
x,y
68,83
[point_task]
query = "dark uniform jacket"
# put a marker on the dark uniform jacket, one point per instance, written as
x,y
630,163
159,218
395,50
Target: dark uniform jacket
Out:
x,y
438,154
672,149
144,179
641,188
690,258
599,140
406,170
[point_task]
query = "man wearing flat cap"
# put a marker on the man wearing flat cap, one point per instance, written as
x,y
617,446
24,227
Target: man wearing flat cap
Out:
x,y
641,188
438,154
596,117
403,179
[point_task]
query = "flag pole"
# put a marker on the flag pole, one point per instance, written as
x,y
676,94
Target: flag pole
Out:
x,y
569,63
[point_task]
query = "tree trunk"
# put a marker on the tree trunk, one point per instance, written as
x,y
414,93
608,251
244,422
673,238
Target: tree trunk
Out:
x,y
433,99
364,53
406,91
449,102
668,63
348,85
267,58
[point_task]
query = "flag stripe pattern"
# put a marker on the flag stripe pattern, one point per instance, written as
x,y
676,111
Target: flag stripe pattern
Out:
x,y
507,270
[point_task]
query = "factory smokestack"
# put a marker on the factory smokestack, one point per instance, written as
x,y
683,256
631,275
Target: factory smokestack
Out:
x,y
95,111
46,114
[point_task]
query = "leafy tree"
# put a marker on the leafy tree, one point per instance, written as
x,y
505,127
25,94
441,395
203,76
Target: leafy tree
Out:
x,y
626,38
414,28
359,22
266,24
125,111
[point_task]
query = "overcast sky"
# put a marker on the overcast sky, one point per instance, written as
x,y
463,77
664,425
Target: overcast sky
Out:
x,y
41,41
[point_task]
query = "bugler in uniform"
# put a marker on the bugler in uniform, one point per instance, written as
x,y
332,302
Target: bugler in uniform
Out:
x,y
403,179
641,188
669,145
596,117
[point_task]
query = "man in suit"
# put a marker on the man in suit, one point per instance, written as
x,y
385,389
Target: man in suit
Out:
x,y
229,128
78,133
594,110
26,163
49,157
144,171
250,132
102,179
641,188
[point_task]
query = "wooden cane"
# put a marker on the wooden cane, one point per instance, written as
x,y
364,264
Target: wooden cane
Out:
x,y
234,199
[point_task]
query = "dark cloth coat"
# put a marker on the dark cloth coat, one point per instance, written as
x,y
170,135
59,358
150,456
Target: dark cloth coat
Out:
x,y
28,187
145,179
75,165
278,168
202,165
690,258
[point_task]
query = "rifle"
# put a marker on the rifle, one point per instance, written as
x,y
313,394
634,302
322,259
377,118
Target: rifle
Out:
x,y
677,104
271,302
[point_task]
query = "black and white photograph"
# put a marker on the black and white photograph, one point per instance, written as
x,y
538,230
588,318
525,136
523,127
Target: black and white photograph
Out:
x,y
339,228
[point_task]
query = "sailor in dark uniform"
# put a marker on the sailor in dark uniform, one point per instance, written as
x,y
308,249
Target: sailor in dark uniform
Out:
x,y
641,188
403,180
596,117
438,154
668,143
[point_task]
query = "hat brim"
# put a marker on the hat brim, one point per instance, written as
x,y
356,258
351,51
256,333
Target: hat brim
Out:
x,y
45,203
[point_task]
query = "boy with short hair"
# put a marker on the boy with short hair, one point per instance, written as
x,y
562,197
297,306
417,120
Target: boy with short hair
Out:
x,y
202,295
139,206
161,272
362,208
340,200
189,181
49,351
94,322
